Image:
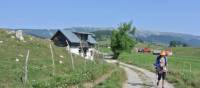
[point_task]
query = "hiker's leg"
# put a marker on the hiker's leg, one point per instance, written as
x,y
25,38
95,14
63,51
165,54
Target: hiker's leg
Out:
x,y
158,82
163,79
159,78
163,83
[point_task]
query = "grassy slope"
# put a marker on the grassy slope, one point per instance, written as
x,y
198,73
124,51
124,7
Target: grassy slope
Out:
x,y
40,64
178,66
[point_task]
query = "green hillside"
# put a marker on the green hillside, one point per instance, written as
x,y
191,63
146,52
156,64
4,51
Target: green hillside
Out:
x,y
150,45
40,64
187,51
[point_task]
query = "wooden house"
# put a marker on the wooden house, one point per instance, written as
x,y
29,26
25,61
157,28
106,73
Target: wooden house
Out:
x,y
81,43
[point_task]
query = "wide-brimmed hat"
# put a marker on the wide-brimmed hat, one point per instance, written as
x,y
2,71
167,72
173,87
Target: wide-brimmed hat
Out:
x,y
162,53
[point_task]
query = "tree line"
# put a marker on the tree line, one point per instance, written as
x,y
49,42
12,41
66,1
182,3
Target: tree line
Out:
x,y
175,43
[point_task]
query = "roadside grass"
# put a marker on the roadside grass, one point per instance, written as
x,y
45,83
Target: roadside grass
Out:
x,y
187,51
116,79
40,67
139,45
149,45
183,72
105,50
103,46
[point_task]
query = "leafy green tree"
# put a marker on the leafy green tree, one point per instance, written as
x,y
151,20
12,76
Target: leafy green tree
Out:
x,y
120,39
172,44
185,45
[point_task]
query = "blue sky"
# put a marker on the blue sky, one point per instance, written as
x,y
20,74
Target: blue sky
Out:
x,y
181,16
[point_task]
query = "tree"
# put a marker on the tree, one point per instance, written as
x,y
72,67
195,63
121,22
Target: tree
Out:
x,y
172,44
177,44
185,45
120,39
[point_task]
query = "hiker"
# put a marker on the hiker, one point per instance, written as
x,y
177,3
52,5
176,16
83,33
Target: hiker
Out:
x,y
161,67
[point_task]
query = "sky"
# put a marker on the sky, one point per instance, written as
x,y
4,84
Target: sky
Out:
x,y
182,16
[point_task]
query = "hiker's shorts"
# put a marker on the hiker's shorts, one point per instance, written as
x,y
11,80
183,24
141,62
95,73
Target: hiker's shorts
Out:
x,y
161,75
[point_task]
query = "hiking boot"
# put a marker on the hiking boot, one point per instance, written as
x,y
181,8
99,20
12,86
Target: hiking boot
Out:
x,y
157,83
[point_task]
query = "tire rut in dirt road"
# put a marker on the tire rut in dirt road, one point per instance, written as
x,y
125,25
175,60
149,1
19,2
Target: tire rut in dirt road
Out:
x,y
133,80
136,79
148,83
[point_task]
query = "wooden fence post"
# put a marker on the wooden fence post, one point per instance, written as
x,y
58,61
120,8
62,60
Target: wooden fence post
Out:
x,y
190,74
190,68
70,55
26,68
83,53
53,62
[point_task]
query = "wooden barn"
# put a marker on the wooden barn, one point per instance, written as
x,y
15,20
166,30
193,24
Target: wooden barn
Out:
x,y
81,43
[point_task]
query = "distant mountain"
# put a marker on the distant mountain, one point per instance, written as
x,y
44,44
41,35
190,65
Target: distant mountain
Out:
x,y
41,33
166,37
157,37
89,29
101,32
48,33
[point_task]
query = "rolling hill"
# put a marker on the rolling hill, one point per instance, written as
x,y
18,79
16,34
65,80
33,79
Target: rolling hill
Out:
x,y
147,36
166,37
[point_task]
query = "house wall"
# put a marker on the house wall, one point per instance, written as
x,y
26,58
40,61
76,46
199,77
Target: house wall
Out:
x,y
89,53
74,50
60,40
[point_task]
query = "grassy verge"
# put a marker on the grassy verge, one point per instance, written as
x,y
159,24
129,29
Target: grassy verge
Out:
x,y
105,50
116,79
104,46
183,71
40,67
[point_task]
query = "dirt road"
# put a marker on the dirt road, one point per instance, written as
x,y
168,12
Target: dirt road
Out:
x,y
133,79
140,78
